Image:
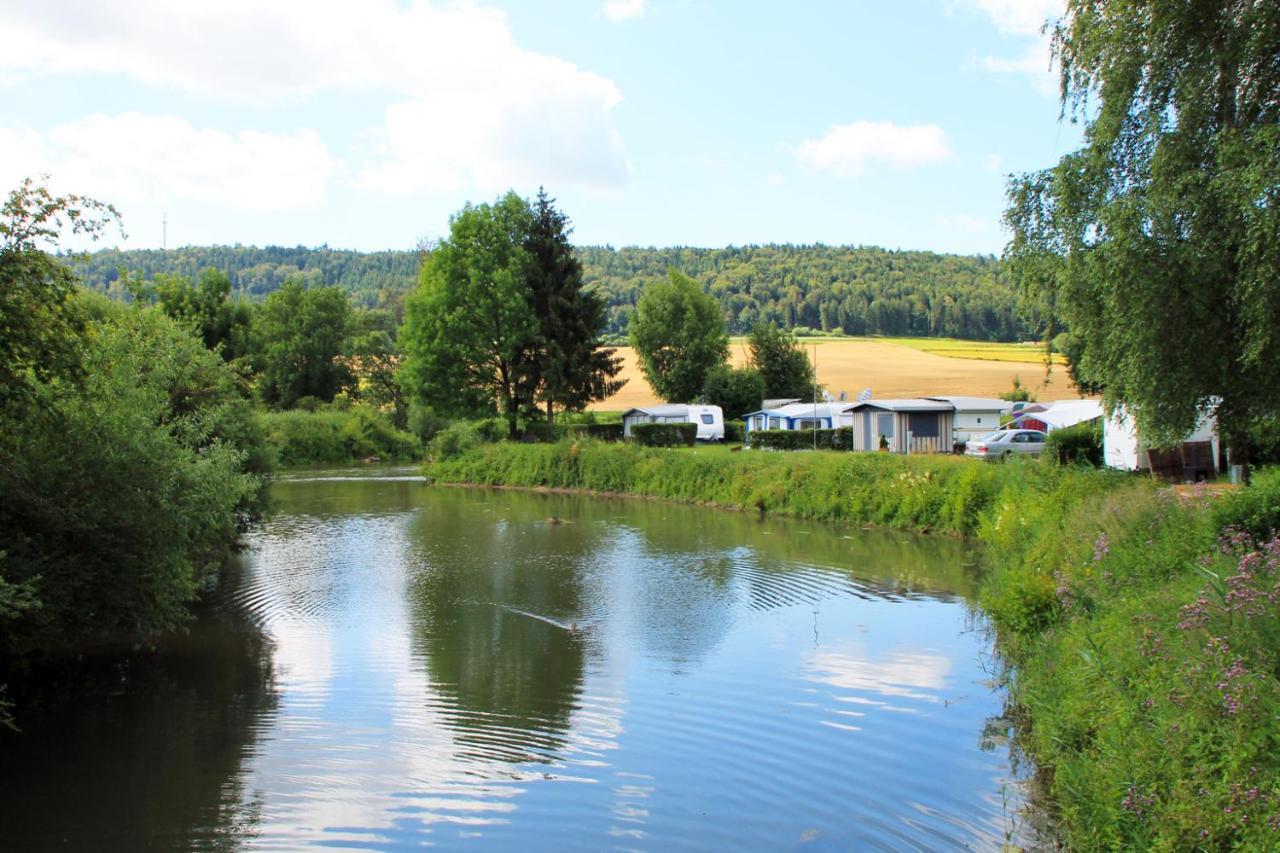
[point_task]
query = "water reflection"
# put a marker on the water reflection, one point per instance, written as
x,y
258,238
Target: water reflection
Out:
x,y
142,751
510,670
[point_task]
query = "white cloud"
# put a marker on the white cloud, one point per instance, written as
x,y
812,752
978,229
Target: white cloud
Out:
x,y
458,89
156,159
967,224
1020,17
623,10
846,149
1024,20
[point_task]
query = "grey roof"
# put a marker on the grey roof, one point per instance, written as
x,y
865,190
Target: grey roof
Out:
x,y
975,404
918,404
665,410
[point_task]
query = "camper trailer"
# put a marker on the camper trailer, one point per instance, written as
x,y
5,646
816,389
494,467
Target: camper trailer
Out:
x,y
710,419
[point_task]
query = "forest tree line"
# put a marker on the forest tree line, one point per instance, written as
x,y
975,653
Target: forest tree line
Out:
x,y
853,290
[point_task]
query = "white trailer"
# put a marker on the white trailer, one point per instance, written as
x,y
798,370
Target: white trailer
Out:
x,y
709,419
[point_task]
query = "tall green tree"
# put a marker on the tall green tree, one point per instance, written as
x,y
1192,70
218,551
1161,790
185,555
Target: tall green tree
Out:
x,y
782,361
301,336
736,390
40,322
1157,244
574,369
206,306
471,336
679,335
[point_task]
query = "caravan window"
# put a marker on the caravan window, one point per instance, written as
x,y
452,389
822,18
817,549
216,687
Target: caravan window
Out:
x,y
775,423
884,424
707,418
808,423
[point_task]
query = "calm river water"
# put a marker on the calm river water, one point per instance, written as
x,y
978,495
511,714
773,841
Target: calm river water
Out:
x,y
393,665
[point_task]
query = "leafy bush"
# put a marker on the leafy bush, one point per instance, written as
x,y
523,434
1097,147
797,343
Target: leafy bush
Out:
x,y
665,434
840,438
1077,444
735,431
313,438
424,422
543,431
599,431
454,440
133,489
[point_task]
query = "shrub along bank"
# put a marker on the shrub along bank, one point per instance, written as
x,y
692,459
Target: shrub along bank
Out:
x,y
311,438
1140,626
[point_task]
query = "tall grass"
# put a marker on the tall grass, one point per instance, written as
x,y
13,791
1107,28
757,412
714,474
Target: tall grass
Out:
x,y
941,493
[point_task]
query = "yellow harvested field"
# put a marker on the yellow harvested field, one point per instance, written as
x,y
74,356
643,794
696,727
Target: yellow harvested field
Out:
x,y
890,369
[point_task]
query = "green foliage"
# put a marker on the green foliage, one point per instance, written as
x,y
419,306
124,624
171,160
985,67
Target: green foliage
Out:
x,y
41,326
735,431
425,422
679,336
205,307
855,290
301,333
1019,393
122,498
455,440
600,432
736,390
840,438
471,334
1157,243
783,363
1077,444
329,437
942,493
665,434
572,368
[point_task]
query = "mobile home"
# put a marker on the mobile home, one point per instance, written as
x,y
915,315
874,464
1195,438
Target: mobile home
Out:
x,y
975,416
710,419
798,416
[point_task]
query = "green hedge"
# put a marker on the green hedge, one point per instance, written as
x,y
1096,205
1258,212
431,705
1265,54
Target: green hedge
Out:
x,y
1081,443
602,432
735,431
840,438
665,435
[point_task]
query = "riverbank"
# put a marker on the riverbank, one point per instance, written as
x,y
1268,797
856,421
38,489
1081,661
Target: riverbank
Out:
x,y
1139,626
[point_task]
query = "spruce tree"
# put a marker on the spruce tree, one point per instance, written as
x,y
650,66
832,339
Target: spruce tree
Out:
x,y
573,368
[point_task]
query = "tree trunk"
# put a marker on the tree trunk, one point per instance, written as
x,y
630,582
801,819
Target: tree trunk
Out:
x,y
551,414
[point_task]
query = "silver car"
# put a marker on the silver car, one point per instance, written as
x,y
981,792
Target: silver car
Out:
x,y
1006,443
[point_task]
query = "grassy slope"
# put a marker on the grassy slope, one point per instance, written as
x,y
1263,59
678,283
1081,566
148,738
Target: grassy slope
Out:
x,y
1142,649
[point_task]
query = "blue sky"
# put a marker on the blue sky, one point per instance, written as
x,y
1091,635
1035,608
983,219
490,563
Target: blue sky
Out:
x,y
653,122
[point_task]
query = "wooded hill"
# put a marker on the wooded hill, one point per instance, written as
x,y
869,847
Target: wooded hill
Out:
x,y
857,290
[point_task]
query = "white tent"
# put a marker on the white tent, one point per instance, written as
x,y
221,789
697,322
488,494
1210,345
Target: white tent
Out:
x,y
1123,447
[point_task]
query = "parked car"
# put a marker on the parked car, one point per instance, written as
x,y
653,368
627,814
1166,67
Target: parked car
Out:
x,y
1005,443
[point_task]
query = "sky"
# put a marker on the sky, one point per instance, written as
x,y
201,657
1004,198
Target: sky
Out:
x,y
652,122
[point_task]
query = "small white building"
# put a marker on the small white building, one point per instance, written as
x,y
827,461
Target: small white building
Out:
x,y
908,426
710,419
1124,448
975,416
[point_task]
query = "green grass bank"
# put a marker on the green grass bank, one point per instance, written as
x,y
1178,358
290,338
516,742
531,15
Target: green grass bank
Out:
x,y
1140,627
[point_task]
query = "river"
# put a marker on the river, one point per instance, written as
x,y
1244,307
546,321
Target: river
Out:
x,y
391,664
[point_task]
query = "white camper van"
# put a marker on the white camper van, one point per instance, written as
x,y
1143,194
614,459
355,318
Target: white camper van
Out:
x,y
710,419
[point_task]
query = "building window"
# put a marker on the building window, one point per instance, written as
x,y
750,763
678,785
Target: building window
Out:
x,y
775,423
884,424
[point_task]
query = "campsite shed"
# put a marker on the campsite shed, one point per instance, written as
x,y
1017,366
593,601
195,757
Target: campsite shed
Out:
x,y
909,426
